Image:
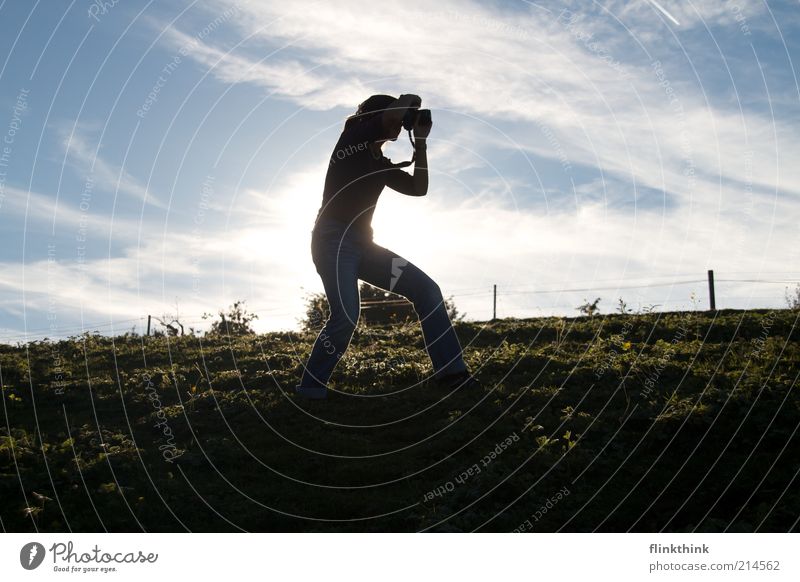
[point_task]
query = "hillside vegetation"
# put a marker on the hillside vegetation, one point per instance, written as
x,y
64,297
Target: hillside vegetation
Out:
x,y
649,422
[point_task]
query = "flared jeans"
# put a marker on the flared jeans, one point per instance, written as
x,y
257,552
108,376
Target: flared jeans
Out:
x,y
342,256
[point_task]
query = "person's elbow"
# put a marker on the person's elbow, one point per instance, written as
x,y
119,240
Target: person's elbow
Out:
x,y
420,186
418,190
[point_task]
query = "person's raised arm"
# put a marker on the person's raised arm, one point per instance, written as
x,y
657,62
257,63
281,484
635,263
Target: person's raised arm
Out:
x,y
416,184
421,157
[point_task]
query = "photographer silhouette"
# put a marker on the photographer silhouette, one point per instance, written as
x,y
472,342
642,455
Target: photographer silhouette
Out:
x,y
343,249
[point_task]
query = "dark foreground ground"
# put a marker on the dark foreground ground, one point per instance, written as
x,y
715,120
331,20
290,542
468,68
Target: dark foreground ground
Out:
x,y
652,422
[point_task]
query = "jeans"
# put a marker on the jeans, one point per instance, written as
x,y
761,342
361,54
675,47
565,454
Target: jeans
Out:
x,y
341,256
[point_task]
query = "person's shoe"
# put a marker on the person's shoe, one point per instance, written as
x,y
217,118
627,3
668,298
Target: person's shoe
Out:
x,y
312,392
459,380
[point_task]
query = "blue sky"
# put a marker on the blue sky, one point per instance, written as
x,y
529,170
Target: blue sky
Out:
x,y
169,157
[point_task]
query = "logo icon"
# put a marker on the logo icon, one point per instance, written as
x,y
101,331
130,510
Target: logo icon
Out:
x,y
31,555
397,270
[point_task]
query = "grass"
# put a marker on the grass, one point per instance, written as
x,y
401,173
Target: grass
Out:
x,y
651,422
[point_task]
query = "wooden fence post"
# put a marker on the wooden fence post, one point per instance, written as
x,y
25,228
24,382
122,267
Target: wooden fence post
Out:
x,y
711,299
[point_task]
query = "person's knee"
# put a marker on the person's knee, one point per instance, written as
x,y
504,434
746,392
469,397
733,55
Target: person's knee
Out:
x,y
434,292
428,296
343,321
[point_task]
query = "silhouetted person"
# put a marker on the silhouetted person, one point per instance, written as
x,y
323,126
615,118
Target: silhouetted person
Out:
x,y
343,250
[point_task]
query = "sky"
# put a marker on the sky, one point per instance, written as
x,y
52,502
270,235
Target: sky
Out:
x,y
168,158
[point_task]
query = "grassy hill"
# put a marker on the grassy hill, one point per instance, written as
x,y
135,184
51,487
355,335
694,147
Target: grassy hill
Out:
x,y
649,422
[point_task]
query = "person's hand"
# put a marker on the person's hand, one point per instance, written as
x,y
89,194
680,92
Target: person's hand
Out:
x,y
421,131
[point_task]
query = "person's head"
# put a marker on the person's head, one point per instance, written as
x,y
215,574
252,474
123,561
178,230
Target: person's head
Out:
x,y
372,106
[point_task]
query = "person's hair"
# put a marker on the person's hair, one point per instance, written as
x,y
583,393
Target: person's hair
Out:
x,y
368,109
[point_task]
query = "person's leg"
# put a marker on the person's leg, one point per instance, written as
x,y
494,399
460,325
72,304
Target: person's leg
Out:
x,y
336,259
383,268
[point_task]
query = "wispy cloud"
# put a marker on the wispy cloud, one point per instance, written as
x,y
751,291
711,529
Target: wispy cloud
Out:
x,y
530,68
81,151
276,72
42,209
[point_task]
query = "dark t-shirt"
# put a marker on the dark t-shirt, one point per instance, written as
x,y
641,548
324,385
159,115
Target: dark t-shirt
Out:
x,y
355,178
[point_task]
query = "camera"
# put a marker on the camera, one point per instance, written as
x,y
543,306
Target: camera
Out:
x,y
411,115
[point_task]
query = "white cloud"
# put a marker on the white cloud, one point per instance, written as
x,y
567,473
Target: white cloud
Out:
x,y
503,81
528,74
